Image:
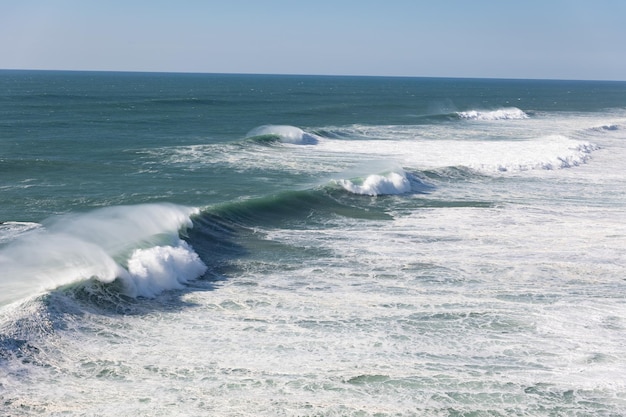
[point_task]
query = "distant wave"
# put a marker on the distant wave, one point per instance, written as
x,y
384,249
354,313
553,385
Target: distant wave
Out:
x,y
509,113
138,245
282,133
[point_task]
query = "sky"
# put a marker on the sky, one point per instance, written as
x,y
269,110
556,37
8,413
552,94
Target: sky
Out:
x,y
551,39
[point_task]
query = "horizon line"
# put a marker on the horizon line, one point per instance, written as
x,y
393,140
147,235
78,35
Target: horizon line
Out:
x,y
308,75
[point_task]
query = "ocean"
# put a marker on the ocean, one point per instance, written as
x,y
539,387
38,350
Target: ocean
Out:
x,y
258,245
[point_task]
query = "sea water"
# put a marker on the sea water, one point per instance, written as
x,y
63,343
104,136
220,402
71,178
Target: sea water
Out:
x,y
245,245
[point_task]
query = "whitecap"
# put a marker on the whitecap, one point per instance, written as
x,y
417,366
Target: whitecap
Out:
x,y
154,270
509,113
286,134
378,184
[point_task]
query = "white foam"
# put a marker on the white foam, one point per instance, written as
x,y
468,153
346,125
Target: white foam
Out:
x,y
11,230
377,184
486,156
509,113
153,270
287,134
490,148
98,244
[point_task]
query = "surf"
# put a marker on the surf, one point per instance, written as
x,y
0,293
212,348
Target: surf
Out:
x,y
140,245
392,182
282,133
408,148
508,113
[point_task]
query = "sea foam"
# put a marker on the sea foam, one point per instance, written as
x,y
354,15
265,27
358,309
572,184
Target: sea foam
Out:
x,y
509,113
477,150
153,270
12,230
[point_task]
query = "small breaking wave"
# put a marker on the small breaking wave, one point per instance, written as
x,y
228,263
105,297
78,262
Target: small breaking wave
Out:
x,y
509,113
606,128
282,133
390,183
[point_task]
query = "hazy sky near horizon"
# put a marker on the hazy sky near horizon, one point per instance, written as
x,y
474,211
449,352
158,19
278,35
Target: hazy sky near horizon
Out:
x,y
564,39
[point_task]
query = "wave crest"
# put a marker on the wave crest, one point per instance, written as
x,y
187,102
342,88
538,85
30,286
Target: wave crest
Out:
x,y
390,183
284,134
509,113
140,245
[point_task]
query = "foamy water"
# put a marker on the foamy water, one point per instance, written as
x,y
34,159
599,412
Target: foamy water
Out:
x,y
318,257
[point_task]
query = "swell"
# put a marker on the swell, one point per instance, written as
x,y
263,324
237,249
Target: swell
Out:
x,y
126,260
223,231
144,250
290,207
98,263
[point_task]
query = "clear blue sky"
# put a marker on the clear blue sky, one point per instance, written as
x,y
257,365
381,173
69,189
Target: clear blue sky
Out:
x,y
567,39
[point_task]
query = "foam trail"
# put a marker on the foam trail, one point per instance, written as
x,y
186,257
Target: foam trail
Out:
x,y
509,113
484,155
286,134
394,182
99,244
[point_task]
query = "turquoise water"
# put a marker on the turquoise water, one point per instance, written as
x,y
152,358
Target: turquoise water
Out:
x,y
194,244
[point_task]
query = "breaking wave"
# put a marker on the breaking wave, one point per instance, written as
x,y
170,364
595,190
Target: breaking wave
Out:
x,y
138,245
390,183
282,133
509,113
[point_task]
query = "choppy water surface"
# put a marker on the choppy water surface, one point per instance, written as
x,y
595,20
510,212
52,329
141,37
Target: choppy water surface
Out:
x,y
195,244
